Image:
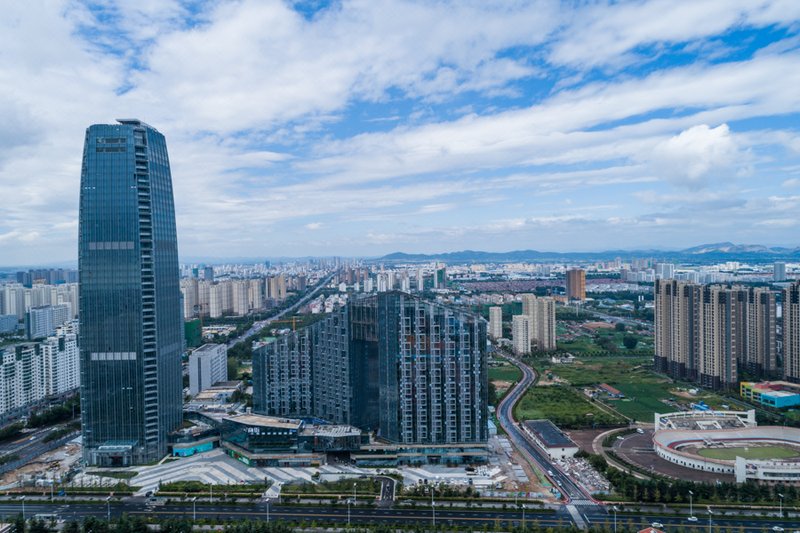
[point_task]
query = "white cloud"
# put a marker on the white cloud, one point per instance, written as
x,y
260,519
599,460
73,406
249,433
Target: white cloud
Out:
x,y
255,64
693,155
264,109
614,34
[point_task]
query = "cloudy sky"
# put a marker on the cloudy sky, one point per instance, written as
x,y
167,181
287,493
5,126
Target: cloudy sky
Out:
x,y
370,126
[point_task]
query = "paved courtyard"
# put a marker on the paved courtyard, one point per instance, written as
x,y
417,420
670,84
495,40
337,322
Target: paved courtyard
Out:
x,y
217,468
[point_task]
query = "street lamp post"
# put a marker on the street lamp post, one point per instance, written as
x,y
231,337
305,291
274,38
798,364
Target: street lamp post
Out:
x,y
433,510
108,508
268,510
523,517
709,519
780,502
615,517
194,509
348,512
354,493
23,507
210,493
691,514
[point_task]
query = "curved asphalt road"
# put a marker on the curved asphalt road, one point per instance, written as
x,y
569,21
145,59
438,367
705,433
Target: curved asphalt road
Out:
x,y
505,413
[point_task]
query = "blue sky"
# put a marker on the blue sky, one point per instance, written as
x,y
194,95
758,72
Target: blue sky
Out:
x,y
366,127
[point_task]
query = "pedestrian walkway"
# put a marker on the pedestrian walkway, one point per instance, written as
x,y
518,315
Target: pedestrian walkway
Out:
x,y
218,468
576,516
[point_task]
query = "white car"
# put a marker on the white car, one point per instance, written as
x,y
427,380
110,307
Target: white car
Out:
x,y
777,528
657,525
692,519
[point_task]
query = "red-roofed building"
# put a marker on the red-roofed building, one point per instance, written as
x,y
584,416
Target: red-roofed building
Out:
x,y
614,393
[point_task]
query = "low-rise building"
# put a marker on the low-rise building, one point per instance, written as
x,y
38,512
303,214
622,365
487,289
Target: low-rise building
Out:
x,y
777,394
549,438
259,440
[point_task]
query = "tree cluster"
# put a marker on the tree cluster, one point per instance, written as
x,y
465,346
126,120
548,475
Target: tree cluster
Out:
x,y
663,490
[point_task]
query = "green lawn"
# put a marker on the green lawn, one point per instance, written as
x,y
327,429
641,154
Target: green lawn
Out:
x,y
642,400
612,370
633,376
506,372
587,344
579,346
755,452
563,407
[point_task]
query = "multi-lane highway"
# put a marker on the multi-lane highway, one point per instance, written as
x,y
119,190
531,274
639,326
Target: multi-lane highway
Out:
x,y
259,511
258,326
375,515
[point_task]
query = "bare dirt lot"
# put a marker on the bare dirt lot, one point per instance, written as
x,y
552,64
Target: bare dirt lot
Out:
x,y
52,464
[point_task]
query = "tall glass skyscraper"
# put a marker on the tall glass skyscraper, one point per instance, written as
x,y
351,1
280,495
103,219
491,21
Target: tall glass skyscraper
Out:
x,y
130,317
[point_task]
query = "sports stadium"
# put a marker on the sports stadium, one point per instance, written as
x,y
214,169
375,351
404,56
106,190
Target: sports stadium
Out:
x,y
729,442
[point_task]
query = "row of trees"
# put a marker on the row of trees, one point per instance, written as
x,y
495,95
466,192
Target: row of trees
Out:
x,y
138,525
662,490
57,414
135,524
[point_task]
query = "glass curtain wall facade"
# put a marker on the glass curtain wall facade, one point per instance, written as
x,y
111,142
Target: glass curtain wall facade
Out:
x,y
130,321
411,370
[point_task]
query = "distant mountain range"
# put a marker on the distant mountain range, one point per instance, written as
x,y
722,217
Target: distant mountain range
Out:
x,y
705,253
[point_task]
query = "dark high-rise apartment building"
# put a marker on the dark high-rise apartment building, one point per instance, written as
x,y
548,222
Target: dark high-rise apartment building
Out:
x,y
130,317
712,333
791,332
412,370
576,284
677,325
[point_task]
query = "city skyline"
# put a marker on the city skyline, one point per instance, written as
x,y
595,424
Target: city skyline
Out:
x,y
361,129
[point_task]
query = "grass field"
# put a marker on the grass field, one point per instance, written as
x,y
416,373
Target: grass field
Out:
x,y
563,407
506,372
754,452
612,370
642,400
633,376
583,345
